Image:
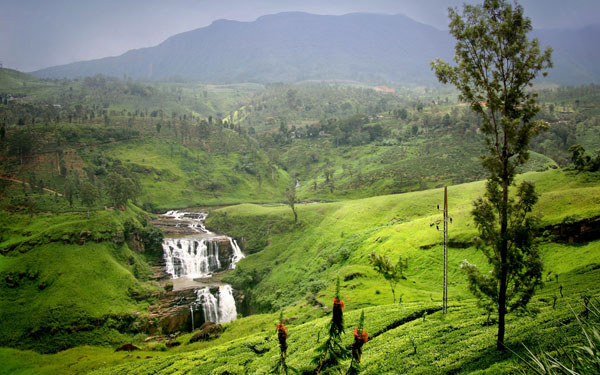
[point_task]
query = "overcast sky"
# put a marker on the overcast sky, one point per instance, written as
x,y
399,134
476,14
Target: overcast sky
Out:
x,y
39,33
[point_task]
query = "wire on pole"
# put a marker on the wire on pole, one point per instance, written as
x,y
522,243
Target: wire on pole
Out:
x,y
445,220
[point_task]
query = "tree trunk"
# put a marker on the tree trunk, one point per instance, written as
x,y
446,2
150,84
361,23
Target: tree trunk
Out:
x,y
503,258
295,216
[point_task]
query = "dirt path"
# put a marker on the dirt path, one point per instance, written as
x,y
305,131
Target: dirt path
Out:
x,y
13,179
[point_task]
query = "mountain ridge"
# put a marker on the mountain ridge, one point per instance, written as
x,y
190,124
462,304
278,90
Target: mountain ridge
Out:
x,y
298,46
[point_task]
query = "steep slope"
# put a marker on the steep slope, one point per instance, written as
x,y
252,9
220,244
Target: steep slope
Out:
x,y
69,279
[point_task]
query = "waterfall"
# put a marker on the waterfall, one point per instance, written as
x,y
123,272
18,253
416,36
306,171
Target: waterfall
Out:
x,y
196,257
219,309
191,257
237,253
227,310
192,312
209,305
194,220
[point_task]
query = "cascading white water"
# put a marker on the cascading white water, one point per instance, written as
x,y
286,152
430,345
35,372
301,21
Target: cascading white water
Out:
x,y
217,309
227,310
197,256
237,253
209,305
190,257
193,220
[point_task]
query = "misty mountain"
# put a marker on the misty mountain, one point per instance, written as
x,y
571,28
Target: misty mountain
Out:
x,y
297,46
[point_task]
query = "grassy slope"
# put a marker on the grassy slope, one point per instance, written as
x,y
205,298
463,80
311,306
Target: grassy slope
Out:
x,y
13,80
419,163
57,293
193,176
393,225
300,254
457,343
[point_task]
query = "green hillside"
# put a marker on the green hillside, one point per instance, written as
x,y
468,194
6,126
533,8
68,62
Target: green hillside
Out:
x,y
333,240
338,237
70,279
84,163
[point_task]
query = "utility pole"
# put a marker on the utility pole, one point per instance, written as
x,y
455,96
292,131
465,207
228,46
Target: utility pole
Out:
x,y
445,297
446,219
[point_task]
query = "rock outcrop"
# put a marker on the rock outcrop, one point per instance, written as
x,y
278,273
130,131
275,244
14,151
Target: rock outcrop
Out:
x,y
207,331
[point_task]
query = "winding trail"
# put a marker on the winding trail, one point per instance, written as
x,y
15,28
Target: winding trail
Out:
x,y
19,181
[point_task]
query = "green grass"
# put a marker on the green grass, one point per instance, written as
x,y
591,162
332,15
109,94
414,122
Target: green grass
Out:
x,y
298,255
69,280
418,163
456,343
338,237
293,261
15,80
192,176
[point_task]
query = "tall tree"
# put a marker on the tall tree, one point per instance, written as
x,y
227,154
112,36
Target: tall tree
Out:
x,y
578,157
120,189
20,144
89,195
496,63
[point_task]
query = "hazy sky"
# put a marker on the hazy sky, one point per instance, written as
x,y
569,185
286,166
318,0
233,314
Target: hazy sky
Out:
x,y
40,33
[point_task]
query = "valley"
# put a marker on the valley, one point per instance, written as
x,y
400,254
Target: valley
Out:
x,y
268,197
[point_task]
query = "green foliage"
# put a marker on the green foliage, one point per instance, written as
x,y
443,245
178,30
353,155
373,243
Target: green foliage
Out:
x,y
393,273
360,338
376,223
496,63
279,249
89,194
120,188
73,281
331,352
582,357
583,162
525,267
20,144
418,144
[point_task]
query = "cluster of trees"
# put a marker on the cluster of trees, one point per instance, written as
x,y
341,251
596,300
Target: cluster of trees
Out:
x,y
294,103
104,181
359,129
583,162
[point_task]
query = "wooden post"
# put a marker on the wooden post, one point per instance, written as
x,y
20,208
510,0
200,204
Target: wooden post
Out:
x,y
446,219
